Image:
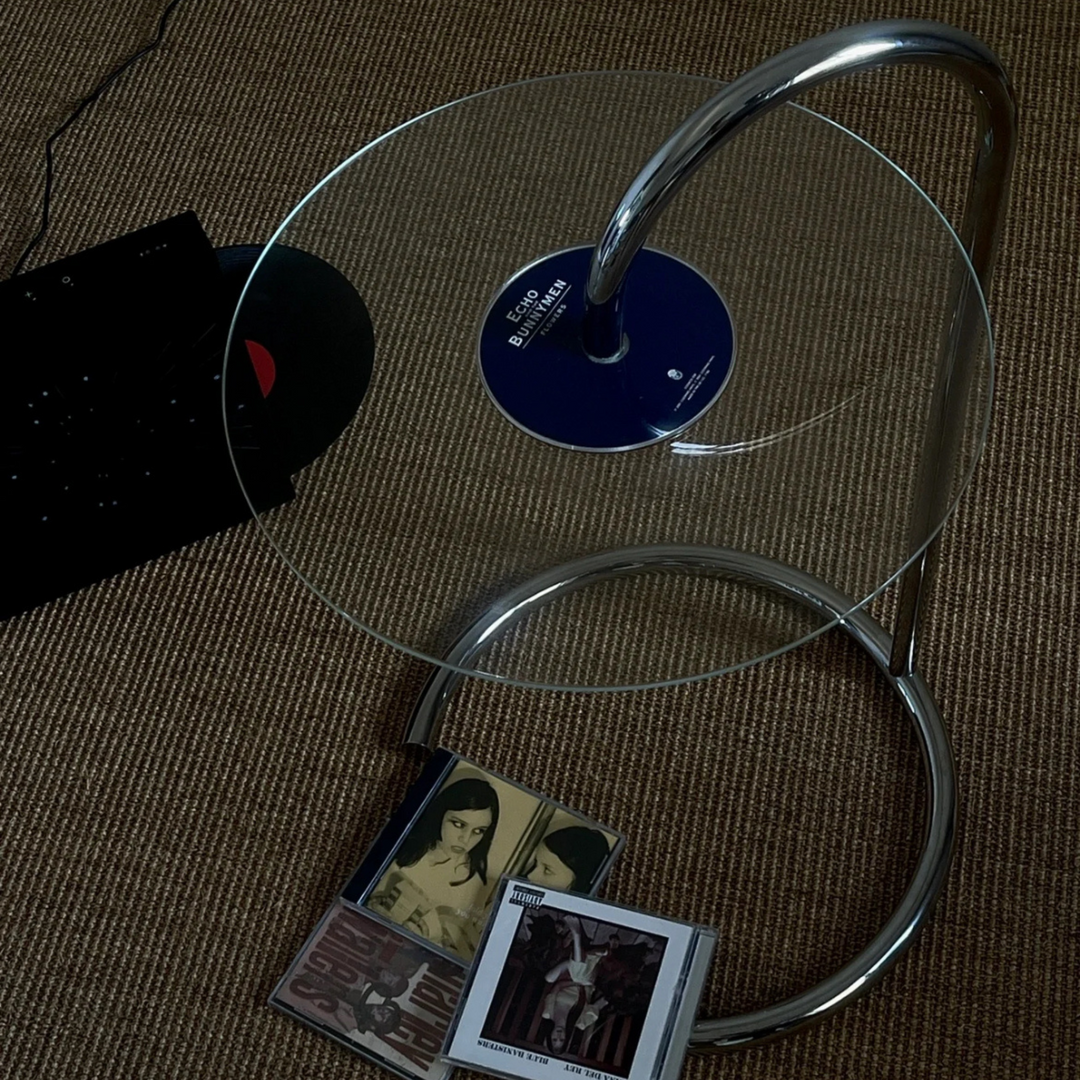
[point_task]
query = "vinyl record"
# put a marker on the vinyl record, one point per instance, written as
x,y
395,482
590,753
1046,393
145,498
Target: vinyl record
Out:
x,y
309,337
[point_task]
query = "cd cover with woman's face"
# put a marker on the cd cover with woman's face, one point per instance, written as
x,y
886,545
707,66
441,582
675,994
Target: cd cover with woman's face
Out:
x,y
569,984
435,868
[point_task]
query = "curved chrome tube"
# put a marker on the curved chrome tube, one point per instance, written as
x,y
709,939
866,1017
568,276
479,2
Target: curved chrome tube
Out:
x,y
780,79
787,75
790,73
856,977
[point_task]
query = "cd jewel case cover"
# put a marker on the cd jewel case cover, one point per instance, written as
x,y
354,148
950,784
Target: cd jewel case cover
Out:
x,y
434,869
566,984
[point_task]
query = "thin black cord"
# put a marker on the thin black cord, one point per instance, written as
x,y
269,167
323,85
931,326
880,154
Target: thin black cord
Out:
x,y
83,105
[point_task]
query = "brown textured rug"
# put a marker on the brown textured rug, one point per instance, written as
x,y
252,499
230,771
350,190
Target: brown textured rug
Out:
x,y
196,753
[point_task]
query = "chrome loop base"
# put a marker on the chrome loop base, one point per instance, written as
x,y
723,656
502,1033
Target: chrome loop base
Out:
x,y
862,972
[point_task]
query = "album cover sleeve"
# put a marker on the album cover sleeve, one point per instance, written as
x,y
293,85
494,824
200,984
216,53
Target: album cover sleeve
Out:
x,y
373,989
434,869
566,984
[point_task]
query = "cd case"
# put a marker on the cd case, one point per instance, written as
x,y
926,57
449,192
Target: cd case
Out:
x,y
435,867
375,990
383,971
570,984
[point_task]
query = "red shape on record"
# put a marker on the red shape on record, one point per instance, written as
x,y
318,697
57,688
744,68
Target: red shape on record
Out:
x,y
263,363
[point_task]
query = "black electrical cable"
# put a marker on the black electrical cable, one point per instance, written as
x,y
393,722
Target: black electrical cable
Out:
x,y
80,109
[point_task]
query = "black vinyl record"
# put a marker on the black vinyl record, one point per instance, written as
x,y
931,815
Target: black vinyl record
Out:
x,y
310,340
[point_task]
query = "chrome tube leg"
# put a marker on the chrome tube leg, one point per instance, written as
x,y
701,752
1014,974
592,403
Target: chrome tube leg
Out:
x,y
780,79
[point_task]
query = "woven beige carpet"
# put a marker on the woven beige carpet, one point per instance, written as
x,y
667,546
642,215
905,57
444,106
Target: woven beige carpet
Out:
x,y
196,753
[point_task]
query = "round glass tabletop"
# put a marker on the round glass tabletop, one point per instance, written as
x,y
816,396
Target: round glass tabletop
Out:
x,y
839,277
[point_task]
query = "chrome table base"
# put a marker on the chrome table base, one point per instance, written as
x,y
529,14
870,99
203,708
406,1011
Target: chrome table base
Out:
x,y
719,120
855,978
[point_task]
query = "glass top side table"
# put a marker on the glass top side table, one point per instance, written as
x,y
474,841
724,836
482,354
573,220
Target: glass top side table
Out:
x,y
492,507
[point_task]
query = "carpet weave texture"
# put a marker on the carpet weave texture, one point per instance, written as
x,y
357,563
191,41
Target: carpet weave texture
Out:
x,y
196,753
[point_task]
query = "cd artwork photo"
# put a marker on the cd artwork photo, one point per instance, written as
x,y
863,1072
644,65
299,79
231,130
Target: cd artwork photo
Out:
x,y
437,864
368,986
384,969
575,990
564,983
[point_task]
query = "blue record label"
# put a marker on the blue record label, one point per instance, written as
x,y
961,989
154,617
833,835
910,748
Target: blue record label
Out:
x,y
679,347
